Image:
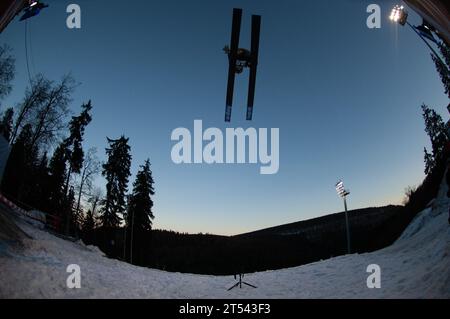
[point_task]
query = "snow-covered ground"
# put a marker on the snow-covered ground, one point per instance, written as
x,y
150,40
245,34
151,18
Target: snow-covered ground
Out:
x,y
416,266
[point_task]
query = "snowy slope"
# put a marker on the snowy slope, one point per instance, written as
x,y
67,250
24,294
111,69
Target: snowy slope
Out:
x,y
416,266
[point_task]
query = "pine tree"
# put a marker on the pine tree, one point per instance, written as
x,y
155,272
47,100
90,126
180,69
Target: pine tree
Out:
x,y
67,159
20,165
39,197
57,172
429,161
116,171
7,70
88,222
6,124
88,227
140,215
75,154
73,221
436,130
443,67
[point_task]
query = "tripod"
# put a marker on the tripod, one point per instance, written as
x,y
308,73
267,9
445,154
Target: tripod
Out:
x,y
240,282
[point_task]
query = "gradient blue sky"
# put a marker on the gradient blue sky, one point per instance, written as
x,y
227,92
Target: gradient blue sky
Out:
x,y
345,98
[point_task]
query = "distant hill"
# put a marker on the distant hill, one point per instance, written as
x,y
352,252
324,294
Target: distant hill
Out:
x,y
313,229
272,248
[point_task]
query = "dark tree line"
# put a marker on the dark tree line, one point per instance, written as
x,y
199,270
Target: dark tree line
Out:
x,y
443,66
60,183
435,160
301,243
437,130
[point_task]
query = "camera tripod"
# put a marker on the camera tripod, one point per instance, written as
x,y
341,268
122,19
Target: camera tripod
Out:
x,y
240,282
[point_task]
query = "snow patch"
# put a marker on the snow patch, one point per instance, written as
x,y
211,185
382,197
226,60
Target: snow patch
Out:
x,y
415,266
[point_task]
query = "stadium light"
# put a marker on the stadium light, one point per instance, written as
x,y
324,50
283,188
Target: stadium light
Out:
x,y
342,192
400,16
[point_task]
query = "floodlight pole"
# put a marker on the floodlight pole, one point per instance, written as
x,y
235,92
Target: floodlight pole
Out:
x,y
125,242
131,246
342,192
347,225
